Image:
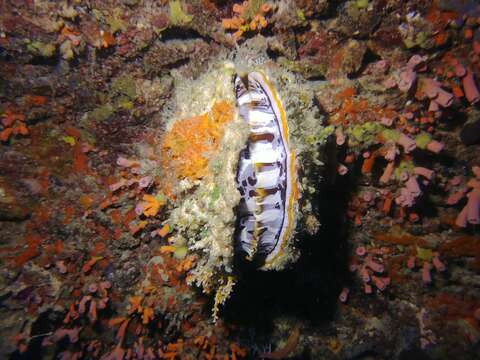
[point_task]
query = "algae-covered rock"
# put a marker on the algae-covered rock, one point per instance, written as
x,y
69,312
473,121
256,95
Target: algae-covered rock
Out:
x,y
66,50
13,206
116,22
102,112
358,18
312,8
124,85
38,48
326,54
177,14
162,56
416,31
284,44
305,68
353,52
364,134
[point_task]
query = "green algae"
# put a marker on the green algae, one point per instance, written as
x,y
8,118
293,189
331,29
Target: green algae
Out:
x,y
160,197
66,50
305,68
115,21
177,15
389,134
97,14
70,140
424,254
122,93
362,4
42,49
326,132
422,140
353,11
364,133
300,15
321,137
124,85
358,133
180,252
102,113
422,39
215,194
124,102
404,166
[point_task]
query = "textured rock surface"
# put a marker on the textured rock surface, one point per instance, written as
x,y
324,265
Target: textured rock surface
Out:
x,y
98,259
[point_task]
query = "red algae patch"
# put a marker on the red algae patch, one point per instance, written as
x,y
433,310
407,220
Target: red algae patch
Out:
x,y
462,246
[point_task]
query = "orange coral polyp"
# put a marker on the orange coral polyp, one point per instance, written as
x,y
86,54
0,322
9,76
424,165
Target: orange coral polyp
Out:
x,y
13,124
237,8
262,21
265,8
247,17
189,144
152,205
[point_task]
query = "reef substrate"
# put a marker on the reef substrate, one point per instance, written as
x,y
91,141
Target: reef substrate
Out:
x,y
120,138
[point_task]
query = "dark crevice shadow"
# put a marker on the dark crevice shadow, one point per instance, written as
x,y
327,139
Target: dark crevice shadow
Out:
x,y
46,323
369,58
273,54
44,61
179,33
308,289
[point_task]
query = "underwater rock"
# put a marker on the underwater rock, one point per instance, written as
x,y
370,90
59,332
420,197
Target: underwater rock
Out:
x,y
312,8
127,241
284,44
155,93
416,31
324,54
288,16
352,54
358,20
14,204
319,48
175,53
204,22
123,167
329,98
127,274
387,39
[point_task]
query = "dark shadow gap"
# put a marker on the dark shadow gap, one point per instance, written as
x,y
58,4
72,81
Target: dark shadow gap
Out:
x,y
308,290
178,33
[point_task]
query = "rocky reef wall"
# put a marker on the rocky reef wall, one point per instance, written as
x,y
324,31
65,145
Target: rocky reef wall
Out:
x,y
120,137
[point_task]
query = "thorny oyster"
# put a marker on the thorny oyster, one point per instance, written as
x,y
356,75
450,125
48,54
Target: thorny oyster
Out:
x,y
204,215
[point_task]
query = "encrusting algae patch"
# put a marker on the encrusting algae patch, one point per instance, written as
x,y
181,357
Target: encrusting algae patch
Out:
x,y
190,143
